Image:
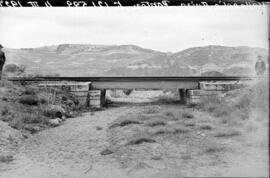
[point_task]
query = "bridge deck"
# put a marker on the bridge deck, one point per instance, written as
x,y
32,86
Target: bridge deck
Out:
x,y
138,82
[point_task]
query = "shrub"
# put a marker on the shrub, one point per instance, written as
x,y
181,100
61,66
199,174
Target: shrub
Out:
x,y
29,100
14,68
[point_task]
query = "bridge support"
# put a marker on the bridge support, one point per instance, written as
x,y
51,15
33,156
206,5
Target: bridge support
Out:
x,y
96,98
183,95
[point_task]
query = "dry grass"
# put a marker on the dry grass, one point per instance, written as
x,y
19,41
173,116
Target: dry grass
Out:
x,y
172,115
171,130
187,115
6,158
140,140
106,152
124,123
213,149
155,123
186,156
29,100
189,124
206,127
180,130
23,105
227,133
151,109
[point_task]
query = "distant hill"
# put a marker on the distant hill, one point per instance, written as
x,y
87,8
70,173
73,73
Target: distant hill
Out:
x,y
131,60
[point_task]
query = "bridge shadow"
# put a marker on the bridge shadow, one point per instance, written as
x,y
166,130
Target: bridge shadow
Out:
x,y
115,104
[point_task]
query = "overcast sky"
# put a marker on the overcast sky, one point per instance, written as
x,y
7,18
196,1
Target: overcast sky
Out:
x,y
164,29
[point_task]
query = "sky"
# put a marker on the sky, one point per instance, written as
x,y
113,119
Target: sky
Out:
x,y
167,29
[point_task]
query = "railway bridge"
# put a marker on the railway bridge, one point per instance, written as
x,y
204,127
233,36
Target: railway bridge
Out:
x,y
92,90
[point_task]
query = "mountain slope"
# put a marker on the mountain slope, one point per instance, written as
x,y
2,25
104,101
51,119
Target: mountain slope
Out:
x,y
77,60
131,60
196,61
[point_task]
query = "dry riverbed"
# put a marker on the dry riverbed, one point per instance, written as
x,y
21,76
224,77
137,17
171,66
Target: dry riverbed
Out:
x,y
144,141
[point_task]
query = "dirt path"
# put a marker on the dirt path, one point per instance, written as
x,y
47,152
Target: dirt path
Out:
x,y
70,150
73,150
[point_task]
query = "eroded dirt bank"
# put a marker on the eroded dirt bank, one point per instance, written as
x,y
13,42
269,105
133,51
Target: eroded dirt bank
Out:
x,y
73,150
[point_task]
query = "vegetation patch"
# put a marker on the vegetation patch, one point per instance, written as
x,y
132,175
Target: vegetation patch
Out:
x,y
171,130
189,124
106,152
187,115
151,109
228,133
163,131
29,100
214,149
140,140
206,127
124,123
6,158
156,123
180,130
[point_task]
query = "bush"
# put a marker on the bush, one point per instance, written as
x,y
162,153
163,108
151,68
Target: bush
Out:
x,y
53,111
29,100
12,68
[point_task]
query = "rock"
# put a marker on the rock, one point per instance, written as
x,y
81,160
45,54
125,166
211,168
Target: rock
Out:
x,y
54,122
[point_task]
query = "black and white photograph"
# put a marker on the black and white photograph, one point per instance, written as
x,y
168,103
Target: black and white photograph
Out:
x,y
134,92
